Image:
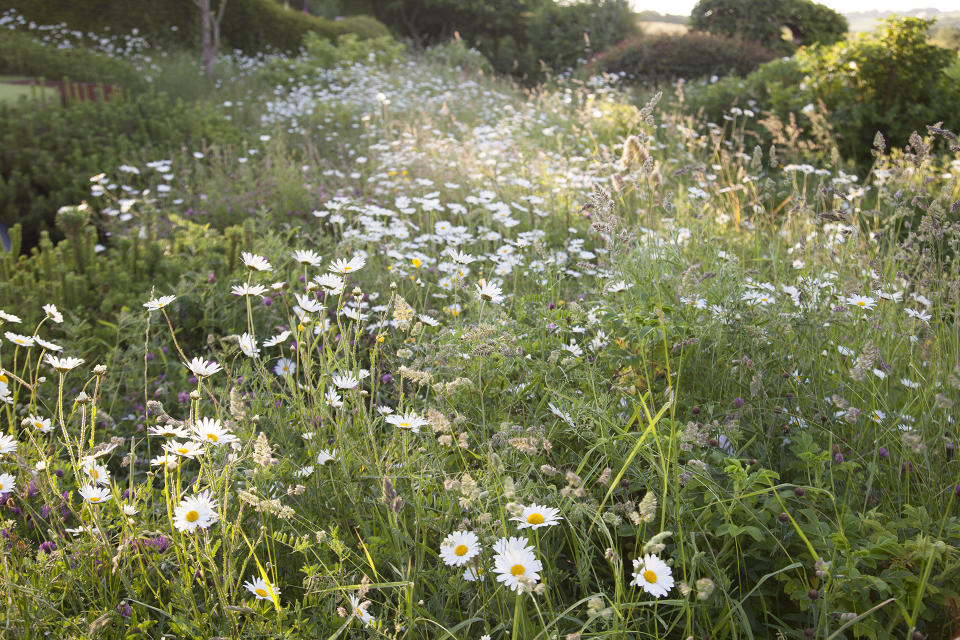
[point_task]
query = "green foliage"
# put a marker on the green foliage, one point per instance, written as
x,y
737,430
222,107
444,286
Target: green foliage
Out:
x,y
22,55
886,82
252,26
517,36
350,49
662,57
765,20
48,154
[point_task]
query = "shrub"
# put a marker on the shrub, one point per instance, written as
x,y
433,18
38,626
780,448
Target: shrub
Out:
x,y
22,55
251,26
765,21
892,81
662,57
517,36
48,154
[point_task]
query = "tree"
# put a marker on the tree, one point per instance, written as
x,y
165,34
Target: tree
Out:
x,y
765,21
209,32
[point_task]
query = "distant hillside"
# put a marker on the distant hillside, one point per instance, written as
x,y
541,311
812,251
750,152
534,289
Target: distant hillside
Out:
x,y
869,20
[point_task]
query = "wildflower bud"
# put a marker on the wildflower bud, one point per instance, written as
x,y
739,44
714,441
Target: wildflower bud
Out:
x,y
357,292
83,398
783,517
799,492
813,594
847,617
99,370
194,395
808,632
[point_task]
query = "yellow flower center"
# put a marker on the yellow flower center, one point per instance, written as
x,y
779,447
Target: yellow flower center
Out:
x,y
4,379
518,570
461,550
192,516
650,576
94,474
183,451
861,303
94,499
346,269
262,592
38,425
404,425
535,518
212,437
416,262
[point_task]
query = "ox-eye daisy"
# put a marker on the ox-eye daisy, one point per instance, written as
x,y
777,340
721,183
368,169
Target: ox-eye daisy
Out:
x,y
459,548
199,511
536,516
516,565
262,589
652,575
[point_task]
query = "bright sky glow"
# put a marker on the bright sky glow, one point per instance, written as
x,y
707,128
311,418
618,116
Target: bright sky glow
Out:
x,y
683,7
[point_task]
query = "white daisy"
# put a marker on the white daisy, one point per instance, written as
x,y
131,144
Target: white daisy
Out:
x,y
62,364
262,589
212,432
8,444
201,368
248,345
408,421
344,267
536,516
515,564
155,304
199,511
95,495
53,313
254,262
277,339
653,575
459,547
7,483
19,340
307,258
285,367
246,289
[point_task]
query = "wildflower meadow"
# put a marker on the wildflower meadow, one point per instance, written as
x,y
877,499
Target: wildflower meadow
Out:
x,y
395,347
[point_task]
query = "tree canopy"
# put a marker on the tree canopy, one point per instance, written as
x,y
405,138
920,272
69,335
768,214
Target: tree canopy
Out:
x,y
764,21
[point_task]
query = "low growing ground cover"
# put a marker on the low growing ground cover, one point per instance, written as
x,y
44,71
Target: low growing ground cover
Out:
x,y
432,357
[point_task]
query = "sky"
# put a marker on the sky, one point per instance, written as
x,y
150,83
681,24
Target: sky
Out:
x,y
683,7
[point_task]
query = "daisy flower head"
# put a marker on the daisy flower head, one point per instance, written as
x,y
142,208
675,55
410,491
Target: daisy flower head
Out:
x,y
9,317
49,346
62,364
8,444
330,283
187,449
489,292
344,267
201,368
168,431
864,302
652,575
246,289
408,421
285,367
155,304
346,381
7,483
19,340
307,258
327,456
254,262
212,432
359,609
95,495
536,516
248,345
200,511
96,473
53,313
459,548
309,304
262,589
277,339
515,564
